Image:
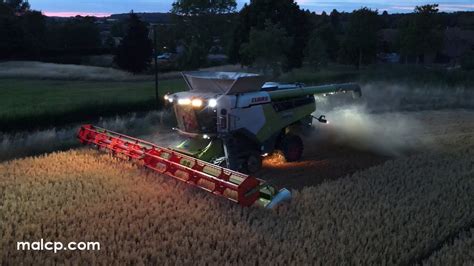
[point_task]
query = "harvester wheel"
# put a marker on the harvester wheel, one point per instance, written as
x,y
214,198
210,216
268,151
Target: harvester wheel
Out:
x,y
253,163
292,147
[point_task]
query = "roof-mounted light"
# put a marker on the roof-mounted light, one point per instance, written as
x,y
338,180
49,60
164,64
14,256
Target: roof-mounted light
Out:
x,y
168,98
212,103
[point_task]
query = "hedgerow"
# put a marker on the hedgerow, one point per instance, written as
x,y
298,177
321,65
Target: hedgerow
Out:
x,y
389,214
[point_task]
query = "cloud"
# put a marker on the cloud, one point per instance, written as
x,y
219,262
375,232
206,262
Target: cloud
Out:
x,y
442,7
122,6
456,7
403,6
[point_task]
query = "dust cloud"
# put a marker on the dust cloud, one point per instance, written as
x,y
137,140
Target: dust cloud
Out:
x,y
384,119
390,134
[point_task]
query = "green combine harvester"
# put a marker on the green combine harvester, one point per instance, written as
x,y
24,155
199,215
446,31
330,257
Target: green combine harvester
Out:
x,y
229,122
233,119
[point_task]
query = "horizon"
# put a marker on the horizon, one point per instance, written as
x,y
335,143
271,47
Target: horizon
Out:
x,y
106,8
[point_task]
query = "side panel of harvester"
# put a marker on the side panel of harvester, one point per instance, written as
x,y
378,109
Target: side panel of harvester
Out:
x,y
263,114
263,118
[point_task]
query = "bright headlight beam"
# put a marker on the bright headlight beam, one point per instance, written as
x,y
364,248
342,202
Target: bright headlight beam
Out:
x,y
184,101
212,103
196,102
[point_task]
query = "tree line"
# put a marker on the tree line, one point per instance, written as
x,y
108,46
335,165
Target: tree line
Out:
x,y
273,36
28,34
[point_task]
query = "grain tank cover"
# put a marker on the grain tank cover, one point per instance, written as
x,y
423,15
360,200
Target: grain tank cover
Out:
x,y
223,82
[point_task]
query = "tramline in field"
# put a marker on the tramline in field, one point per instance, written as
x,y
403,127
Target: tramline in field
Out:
x,y
230,121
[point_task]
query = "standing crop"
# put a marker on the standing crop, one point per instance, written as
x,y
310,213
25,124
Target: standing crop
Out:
x,y
395,213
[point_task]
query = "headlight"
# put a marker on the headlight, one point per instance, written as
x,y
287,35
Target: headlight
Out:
x,y
184,101
197,102
212,103
168,98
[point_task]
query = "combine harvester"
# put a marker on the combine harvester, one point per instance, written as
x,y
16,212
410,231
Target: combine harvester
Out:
x,y
229,122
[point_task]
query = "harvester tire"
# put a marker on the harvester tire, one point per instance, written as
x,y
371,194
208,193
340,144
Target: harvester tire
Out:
x,y
253,163
292,147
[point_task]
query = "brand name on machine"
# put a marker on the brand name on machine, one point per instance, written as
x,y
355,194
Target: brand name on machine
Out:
x,y
260,99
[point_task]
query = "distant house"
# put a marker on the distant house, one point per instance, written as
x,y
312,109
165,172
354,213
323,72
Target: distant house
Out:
x,y
388,39
456,42
104,35
387,42
117,40
180,49
217,58
388,58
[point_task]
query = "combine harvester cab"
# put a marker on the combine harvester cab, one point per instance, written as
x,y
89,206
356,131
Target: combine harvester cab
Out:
x,y
229,121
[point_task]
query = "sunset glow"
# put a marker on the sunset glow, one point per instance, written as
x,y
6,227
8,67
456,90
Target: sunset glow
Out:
x,y
105,8
73,14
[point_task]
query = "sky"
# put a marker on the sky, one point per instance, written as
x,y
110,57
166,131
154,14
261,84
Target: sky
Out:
x,y
107,7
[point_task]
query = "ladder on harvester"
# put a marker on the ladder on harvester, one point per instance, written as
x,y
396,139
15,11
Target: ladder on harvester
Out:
x,y
237,187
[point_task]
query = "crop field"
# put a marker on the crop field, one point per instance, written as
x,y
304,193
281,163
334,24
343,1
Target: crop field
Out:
x,y
40,70
459,252
45,103
21,144
389,181
412,208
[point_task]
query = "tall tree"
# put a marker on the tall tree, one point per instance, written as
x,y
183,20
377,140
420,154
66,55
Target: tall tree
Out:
x,y
420,33
328,35
135,51
34,28
167,40
80,33
316,51
22,30
202,24
266,48
12,43
203,7
335,19
285,13
360,42
17,7
323,46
